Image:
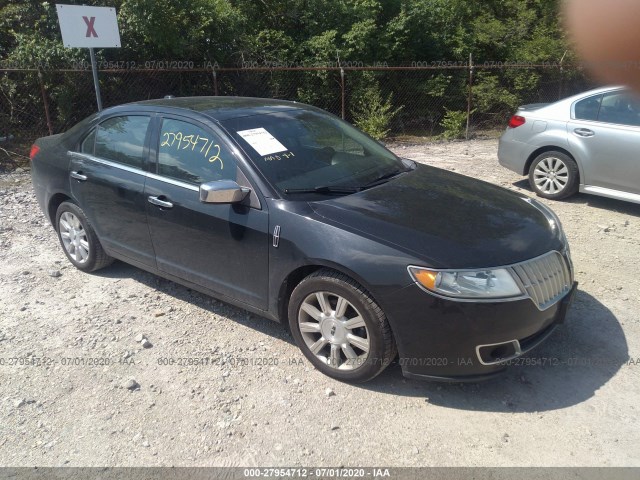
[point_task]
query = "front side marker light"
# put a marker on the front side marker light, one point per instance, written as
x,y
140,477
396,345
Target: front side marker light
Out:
x,y
426,278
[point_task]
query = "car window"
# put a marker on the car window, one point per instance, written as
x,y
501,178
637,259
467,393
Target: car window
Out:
x,y
193,154
620,108
588,108
121,139
88,142
325,136
304,149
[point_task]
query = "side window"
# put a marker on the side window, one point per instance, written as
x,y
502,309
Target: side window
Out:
x,y
121,139
588,108
620,108
88,143
192,154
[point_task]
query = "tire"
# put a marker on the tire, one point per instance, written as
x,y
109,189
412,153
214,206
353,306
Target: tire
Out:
x,y
357,351
554,175
79,240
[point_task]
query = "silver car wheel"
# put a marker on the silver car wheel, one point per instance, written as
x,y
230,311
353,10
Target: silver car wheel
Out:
x,y
334,331
551,175
74,237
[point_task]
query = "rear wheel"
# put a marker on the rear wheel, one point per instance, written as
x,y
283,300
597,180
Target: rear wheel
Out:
x,y
340,328
78,239
554,175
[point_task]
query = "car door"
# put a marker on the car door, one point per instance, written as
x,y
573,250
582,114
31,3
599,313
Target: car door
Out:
x,y
107,180
606,133
223,247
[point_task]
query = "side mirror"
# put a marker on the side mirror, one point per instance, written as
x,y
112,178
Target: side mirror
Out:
x,y
223,191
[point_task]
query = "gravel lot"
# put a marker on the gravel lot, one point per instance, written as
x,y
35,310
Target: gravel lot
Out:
x,y
583,410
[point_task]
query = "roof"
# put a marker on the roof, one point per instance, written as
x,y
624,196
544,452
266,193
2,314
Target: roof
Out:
x,y
223,108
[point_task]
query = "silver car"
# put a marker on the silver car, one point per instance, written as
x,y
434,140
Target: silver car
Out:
x,y
588,143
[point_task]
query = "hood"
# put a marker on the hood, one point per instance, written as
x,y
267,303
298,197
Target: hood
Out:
x,y
446,220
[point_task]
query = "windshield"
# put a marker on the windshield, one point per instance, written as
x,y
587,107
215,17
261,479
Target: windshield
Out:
x,y
302,151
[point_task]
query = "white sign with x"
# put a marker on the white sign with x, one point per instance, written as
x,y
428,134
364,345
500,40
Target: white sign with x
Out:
x,y
88,27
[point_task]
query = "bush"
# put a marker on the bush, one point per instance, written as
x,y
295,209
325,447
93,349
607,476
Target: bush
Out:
x,y
372,113
454,124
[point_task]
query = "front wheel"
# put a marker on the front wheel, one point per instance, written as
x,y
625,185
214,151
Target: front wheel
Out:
x,y
340,328
554,175
78,239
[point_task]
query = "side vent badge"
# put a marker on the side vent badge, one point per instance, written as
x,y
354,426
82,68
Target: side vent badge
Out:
x,y
276,236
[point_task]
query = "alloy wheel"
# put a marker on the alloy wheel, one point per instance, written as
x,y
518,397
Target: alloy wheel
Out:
x,y
74,237
334,331
551,175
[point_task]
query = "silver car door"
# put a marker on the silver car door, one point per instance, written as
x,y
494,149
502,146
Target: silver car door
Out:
x,y
608,144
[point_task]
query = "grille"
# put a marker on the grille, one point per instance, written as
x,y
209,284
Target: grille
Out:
x,y
546,279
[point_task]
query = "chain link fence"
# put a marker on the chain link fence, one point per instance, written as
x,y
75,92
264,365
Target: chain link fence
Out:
x,y
405,103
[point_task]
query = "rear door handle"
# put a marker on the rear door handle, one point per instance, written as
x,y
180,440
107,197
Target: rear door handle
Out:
x,y
160,203
584,132
78,176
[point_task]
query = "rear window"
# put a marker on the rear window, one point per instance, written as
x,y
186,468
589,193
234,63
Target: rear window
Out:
x,y
122,139
588,108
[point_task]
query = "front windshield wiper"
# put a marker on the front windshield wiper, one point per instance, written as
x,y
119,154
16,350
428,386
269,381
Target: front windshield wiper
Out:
x,y
323,189
383,178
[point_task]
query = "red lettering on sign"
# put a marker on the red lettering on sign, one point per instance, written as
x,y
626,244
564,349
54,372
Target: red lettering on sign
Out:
x,y
91,32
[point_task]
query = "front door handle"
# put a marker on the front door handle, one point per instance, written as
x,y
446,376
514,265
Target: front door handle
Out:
x,y
160,203
584,132
78,176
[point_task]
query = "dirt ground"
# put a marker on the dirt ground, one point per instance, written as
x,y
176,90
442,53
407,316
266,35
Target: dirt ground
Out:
x,y
62,404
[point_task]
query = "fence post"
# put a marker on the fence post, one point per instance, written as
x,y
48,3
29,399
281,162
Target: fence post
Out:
x,y
215,82
561,76
469,98
342,90
45,101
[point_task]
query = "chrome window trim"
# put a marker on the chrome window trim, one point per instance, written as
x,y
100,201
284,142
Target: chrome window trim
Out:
x,y
138,171
108,163
171,181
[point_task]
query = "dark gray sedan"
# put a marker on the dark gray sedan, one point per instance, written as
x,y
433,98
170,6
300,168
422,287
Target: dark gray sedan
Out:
x,y
291,213
587,143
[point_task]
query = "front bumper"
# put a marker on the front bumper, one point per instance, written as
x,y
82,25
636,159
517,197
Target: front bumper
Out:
x,y
446,340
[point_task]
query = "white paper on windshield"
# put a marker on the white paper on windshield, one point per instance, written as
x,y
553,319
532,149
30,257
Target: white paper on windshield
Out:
x,y
262,141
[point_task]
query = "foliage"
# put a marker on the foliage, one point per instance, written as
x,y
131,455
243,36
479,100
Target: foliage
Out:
x,y
454,125
229,31
304,33
372,112
490,96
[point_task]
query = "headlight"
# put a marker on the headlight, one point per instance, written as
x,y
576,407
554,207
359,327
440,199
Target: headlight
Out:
x,y
471,284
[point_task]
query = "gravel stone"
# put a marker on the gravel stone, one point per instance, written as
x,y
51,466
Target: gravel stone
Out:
x,y
131,384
